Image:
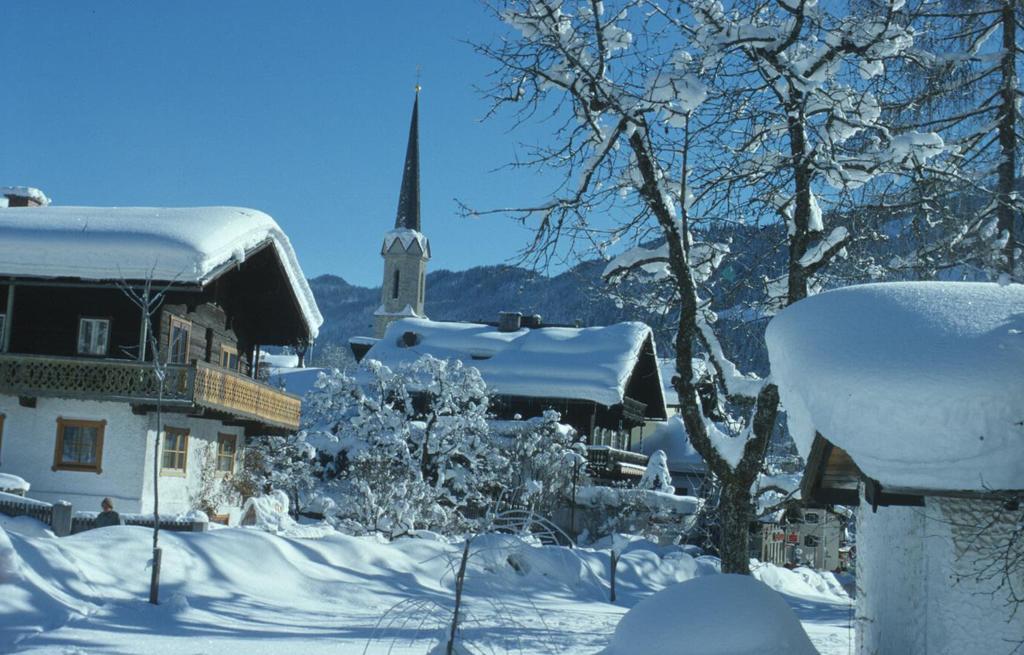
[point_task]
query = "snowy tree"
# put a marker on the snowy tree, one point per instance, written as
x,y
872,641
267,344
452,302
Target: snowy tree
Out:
x,y
285,463
656,476
413,444
543,465
963,82
756,109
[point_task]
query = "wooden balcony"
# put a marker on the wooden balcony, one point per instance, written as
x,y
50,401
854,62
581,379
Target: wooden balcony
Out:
x,y
198,386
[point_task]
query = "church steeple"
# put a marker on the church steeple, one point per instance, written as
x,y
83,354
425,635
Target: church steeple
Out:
x,y
405,250
409,198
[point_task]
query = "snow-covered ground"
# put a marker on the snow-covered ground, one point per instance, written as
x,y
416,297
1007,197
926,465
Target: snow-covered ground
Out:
x,y
247,591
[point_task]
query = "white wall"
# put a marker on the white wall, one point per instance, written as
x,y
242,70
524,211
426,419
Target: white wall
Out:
x,y
30,435
179,493
918,583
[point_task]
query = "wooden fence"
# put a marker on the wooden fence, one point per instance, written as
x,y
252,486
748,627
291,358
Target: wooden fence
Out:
x,y
63,521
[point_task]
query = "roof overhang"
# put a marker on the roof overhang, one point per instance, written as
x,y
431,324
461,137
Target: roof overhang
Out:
x,y
831,477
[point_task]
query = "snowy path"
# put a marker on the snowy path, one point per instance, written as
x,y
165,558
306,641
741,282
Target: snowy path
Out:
x,y
244,591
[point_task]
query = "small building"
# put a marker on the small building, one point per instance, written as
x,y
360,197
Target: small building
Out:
x,y
603,381
907,401
78,386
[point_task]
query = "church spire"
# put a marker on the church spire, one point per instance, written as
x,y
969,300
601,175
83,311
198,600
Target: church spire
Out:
x,y
409,199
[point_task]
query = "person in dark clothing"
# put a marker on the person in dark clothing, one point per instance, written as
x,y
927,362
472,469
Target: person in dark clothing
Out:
x,y
108,516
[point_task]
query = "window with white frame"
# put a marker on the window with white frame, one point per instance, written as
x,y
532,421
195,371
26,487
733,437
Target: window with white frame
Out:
x,y
93,336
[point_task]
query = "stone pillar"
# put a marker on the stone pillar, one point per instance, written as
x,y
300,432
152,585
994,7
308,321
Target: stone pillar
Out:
x,y
60,520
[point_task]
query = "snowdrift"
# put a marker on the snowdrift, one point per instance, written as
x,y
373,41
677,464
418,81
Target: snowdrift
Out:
x,y
712,615
248,590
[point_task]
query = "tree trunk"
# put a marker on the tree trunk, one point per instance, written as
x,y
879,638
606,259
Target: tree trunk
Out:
x,y
1008,136
801,237
736,512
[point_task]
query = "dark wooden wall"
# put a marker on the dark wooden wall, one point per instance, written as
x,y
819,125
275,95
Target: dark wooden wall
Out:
x,y
45,319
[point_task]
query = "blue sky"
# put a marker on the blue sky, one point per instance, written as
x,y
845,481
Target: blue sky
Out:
x,y
298,109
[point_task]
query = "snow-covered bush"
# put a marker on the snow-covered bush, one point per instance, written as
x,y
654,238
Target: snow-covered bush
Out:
x,y
409,448
544,462
274,462
656,476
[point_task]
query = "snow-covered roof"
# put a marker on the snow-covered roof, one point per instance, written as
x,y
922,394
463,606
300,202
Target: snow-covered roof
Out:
x,y
671,437
185,244
592,363
921,383
25,192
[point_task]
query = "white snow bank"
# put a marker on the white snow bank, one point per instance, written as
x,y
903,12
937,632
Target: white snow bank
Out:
x,y
255,592
25,192
592,363
186,244
727,614
920,382
11,482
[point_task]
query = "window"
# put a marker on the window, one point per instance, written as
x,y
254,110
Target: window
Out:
x,y
422,285
394,286
93,336
79,445
1,438
810,541
229,357
810,517
178,340
175,452
226,450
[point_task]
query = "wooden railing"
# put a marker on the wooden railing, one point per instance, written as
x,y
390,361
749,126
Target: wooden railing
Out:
x,y
200,385
236,394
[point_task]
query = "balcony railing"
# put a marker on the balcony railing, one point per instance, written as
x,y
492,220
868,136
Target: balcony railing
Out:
x,y
198,385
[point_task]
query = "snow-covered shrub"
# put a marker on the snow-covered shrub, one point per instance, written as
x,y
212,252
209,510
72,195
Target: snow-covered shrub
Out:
x,y
656,476
544,462
409,448
273,462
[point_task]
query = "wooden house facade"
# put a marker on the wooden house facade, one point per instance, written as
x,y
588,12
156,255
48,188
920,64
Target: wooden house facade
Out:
x,y
79,387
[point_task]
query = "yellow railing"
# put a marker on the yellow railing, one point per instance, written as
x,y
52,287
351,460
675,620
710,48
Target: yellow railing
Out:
x,y
236,394
200,385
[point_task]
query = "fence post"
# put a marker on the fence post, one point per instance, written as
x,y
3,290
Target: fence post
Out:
x,y
60,519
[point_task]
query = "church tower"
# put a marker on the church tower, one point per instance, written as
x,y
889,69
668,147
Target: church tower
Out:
x,y
405,250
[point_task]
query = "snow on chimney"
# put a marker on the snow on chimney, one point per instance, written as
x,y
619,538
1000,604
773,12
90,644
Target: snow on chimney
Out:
x,y
23,196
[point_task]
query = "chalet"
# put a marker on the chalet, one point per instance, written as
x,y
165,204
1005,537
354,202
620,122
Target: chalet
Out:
x,y
604,381
79,390
907,401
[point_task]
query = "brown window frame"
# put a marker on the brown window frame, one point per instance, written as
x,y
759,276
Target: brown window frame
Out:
x,y
183,453
58,451
186,350
223,437
226,350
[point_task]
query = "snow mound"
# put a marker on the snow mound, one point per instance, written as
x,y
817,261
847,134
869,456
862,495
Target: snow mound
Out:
x,y
185,244
11,482
727,614
920,382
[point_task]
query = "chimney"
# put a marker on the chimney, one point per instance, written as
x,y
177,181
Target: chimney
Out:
x,y
22,196
532,321
509,321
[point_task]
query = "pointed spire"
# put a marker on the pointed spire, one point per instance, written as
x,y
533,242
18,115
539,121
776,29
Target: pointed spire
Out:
x,y
409,198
